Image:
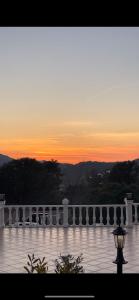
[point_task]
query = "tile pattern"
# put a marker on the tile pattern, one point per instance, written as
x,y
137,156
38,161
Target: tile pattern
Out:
x,y
96,244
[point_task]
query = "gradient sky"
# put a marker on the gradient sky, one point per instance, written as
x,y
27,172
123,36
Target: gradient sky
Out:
x,y
70,94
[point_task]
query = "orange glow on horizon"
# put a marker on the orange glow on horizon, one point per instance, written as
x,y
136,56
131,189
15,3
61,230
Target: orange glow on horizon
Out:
x,y
103,156
98,147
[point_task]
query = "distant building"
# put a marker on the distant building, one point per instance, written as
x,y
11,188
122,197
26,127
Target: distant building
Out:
x,y
107,171
100,174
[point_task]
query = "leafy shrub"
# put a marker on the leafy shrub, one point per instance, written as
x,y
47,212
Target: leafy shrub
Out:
x,y
36,264
64,264
69,264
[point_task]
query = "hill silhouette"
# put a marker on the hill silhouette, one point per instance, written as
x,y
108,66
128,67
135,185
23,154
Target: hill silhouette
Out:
x,y
75,173
4,159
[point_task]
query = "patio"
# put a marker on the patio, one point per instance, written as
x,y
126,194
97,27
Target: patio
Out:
x,y
95,243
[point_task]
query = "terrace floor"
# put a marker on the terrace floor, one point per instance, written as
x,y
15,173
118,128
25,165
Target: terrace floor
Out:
x,y
96,245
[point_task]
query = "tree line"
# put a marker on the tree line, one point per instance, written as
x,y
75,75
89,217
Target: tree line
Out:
x,y
108,187
28,181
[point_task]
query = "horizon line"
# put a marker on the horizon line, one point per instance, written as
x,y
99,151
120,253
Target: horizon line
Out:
x,y
96,161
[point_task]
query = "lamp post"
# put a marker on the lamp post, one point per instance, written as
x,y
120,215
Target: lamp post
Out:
x,y
119,238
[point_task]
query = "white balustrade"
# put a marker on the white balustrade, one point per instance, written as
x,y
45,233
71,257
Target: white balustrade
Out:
x,y
88,215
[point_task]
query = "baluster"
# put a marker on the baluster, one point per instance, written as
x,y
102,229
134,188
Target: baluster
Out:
x,y
80,215
122,216
30,215
115,218
94,216
87,216
37,215
23,208
101,219
60,216
73,216
50,216
10,216
43,218
57,215
136,216
40,217
17,216
108,221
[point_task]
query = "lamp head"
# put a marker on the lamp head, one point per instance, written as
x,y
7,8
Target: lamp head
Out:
x,y
119,237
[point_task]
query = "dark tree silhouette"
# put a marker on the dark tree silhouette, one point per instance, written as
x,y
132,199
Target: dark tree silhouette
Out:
x,y
28,181
124,172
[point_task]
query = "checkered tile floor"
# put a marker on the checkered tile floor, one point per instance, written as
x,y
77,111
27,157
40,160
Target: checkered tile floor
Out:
x,y
96,245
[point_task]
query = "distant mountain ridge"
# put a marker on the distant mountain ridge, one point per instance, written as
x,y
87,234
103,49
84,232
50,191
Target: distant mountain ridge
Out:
x,y
75,174
4,159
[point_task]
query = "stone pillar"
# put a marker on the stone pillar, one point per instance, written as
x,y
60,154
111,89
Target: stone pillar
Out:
x,y
128,201
65,203
2,204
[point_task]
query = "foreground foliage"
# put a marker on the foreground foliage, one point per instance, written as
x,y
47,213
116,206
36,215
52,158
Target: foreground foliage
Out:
x,y
64,264
36,264
68,264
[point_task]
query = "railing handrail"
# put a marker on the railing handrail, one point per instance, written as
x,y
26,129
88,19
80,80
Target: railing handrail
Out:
x,y
97,205
33,205
74,205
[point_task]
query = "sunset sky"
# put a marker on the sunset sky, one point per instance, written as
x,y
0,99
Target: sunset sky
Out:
x,y
70,94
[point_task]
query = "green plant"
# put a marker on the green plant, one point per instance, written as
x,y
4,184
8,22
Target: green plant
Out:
x,y
36,264
69,264
41,266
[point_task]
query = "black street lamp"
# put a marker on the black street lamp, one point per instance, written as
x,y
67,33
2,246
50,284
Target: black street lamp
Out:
x,y
119,238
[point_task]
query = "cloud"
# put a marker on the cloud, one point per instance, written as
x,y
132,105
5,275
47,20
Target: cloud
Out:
x,y
80,123
114,134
